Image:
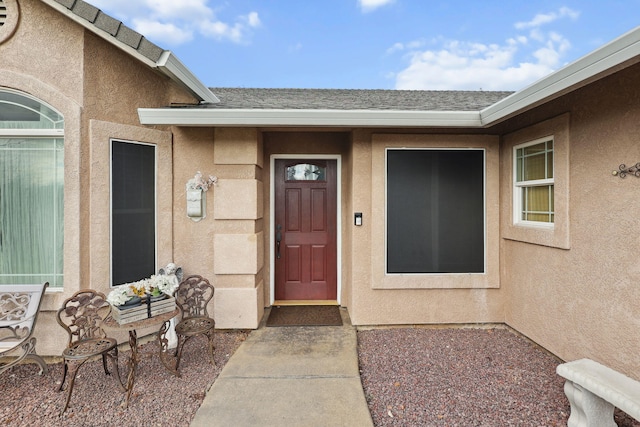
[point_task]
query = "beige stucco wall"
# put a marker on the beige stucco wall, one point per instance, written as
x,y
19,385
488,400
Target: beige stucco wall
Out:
x,y
97,88
371,296
379,298
227,245
583,300
573,291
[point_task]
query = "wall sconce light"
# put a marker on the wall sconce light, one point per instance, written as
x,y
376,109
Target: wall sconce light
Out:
x,y
196,196
623,170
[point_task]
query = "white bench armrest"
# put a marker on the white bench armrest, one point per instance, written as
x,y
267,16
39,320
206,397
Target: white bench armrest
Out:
x,y
618,389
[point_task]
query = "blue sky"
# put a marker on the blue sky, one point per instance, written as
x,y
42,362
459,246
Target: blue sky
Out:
x,y
376,44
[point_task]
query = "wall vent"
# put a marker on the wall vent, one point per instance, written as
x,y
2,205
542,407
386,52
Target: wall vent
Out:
x,y
9,14
3,13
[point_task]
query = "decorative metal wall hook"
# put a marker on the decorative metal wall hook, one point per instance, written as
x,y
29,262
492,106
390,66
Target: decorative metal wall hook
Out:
x,y
623,170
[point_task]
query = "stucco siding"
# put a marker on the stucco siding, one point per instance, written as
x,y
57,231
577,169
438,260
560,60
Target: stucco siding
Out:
x,y
381,298
85,78
583,302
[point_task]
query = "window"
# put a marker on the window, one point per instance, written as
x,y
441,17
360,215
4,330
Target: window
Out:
x,y
534,183
31,191
133,211
306,172
435,213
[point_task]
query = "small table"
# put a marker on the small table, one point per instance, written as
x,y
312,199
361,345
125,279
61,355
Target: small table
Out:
x,y
161,320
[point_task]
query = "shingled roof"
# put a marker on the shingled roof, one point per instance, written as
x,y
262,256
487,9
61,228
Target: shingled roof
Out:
x,y
114,27
354,99
134,43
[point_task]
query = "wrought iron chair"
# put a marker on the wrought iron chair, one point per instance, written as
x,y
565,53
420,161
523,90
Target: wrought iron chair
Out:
x,y
19,308
81,316
192,296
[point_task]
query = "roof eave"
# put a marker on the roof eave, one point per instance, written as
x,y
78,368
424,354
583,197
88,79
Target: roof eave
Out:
x,y
313,118
619,53
168,64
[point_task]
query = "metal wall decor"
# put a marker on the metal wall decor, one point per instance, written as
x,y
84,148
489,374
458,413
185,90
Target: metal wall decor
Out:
x,y
623,170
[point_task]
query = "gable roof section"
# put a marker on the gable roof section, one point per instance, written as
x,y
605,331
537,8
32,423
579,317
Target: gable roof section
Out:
x,y
313,107
136,45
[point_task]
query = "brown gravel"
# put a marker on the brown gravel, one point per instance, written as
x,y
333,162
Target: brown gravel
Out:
x,y
410,376
158,398
461,377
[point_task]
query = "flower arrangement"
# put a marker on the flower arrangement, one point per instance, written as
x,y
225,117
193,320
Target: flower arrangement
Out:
x,y
155,285
198,182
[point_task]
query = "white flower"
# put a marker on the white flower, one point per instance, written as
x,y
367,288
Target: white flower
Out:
x,y
167,284
156,284
199,183
119,295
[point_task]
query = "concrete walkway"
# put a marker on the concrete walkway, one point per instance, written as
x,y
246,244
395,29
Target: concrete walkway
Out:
x,y
290,376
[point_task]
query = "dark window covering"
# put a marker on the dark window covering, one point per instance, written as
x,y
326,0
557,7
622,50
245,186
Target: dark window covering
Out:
x,y
435,211
133,236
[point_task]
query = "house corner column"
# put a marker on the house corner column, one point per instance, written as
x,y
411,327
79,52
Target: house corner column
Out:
x,y
238,242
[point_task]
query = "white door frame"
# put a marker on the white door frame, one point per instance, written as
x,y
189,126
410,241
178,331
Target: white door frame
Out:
x,y
272,218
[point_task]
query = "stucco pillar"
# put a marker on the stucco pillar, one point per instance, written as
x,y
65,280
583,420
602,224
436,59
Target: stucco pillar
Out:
x,y
238,243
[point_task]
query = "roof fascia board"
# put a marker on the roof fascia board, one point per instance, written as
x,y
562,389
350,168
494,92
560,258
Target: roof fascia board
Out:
x,y
168,64
598,64
332,118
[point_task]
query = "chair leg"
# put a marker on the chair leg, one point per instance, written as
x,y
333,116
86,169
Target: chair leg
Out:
x,y
210,336
113,356
65,369
75,365
104,364
181,340
40,361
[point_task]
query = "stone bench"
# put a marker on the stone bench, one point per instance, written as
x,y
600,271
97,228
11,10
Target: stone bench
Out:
x,y
595,390
19,307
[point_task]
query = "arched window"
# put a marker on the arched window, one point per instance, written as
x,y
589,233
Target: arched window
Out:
x,y
31,191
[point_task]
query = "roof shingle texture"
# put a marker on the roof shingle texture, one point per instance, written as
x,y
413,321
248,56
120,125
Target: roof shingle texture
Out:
x,y
354,99
115,28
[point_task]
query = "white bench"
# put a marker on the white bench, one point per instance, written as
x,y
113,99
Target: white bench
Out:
x,y
19,307
595,390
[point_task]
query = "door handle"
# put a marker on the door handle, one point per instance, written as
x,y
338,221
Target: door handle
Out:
x,y
278,240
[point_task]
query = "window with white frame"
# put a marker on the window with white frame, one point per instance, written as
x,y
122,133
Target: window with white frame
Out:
x,y
534,183
31,191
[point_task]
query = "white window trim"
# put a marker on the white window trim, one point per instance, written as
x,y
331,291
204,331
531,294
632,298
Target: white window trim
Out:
x,y
518,186
272,220
32,133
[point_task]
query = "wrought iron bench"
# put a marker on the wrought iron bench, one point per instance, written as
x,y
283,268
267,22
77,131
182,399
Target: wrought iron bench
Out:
x,y
19,307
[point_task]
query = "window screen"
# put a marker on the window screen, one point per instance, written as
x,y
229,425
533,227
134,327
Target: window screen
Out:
x,y
435,211
133,236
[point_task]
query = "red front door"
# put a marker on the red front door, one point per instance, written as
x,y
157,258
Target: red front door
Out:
x,y
305,235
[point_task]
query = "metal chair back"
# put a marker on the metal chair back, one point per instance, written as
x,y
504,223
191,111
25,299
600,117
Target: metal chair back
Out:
x,y
193,296
82,315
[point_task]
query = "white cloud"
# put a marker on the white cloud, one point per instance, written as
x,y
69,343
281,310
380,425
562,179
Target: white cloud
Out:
x,y
456,65
158,31
546,18
371,5
173,23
